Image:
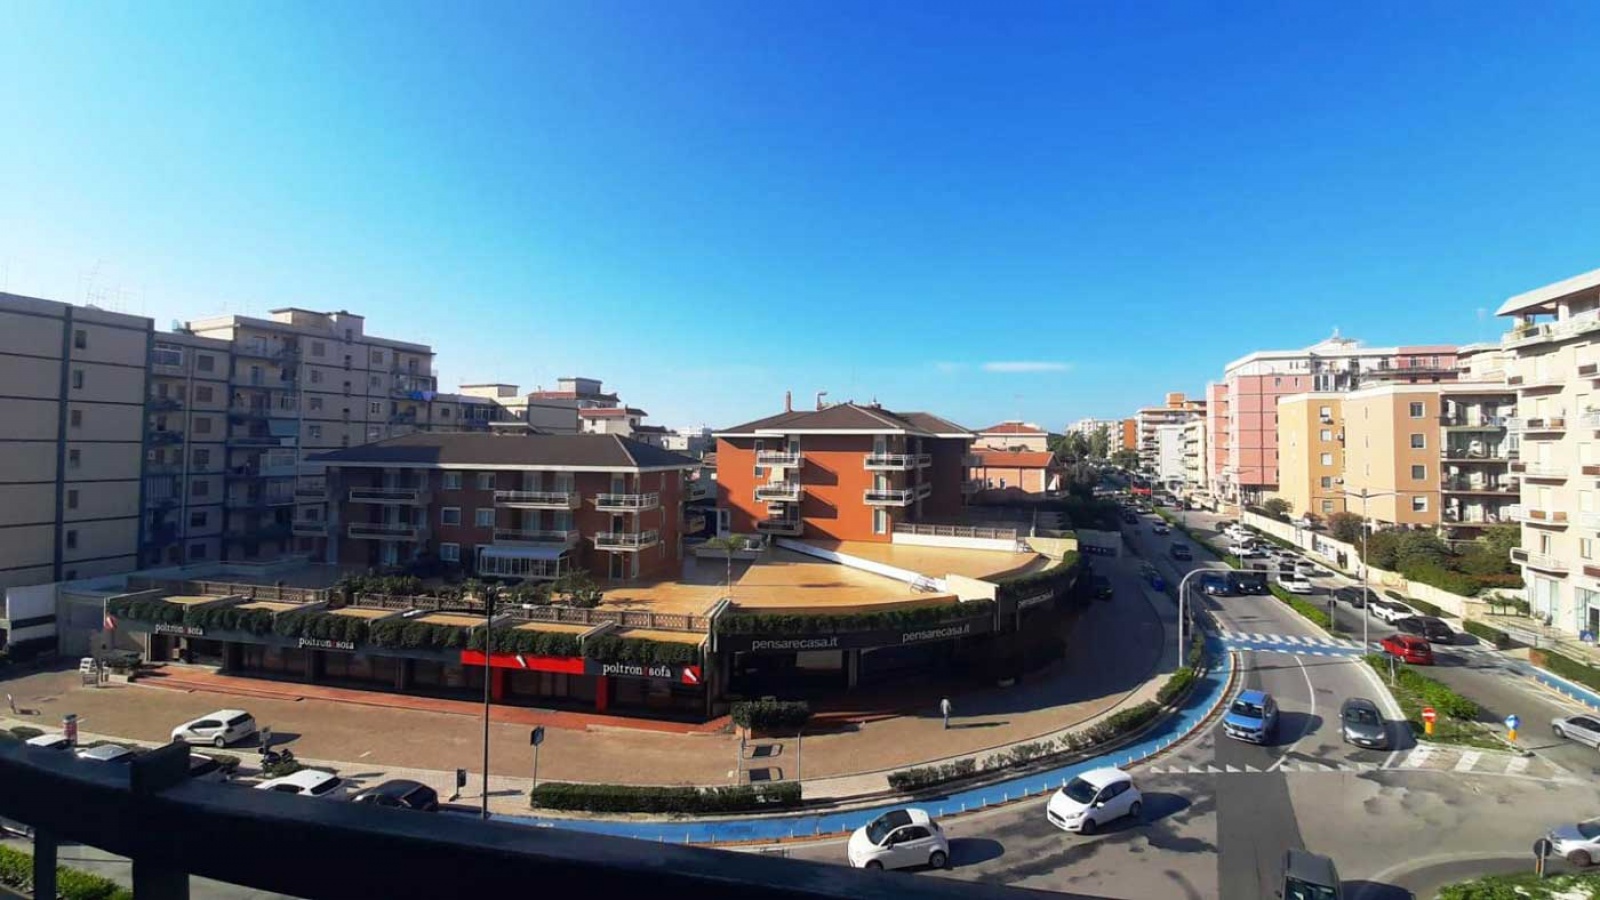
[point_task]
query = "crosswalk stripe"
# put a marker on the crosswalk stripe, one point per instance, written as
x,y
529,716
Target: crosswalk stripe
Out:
x,y
1231,769
1518,765
1196,770
1213,770
1468,760
1416,758
1251,769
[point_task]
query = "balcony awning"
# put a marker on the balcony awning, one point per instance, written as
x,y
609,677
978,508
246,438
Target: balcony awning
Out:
x,y
540,553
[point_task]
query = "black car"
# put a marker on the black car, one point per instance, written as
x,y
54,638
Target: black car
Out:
x,y
1430,627
401,794
1181,551
1355,596
1248,582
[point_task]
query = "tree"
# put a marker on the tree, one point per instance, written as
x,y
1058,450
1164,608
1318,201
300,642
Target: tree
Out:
x,y
1419,548
1100,443
1278,508
729,544
1383,549
1073,448
1490,554
1345,526
1126,459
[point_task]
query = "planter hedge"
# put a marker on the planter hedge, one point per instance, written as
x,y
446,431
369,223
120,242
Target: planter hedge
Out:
x,y
1304,607
916,779
1493,635
513,640
1059,579
1176,685
320,625
1433,693
411,634
26,732
1566,667
818,623
786,716
607,648
16,871
155,610
622,798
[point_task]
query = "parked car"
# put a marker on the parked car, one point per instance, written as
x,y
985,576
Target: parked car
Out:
x,y
401,794
1309,876
1161,528
1430,627
208,768
1583,729
1310,568
49,742
107,753
307,783
1389,610
1248,582
219,729
1092,799
1357,597
1361,723
1577,844
1181,551
1253,717
898,839
1409,648
1295,583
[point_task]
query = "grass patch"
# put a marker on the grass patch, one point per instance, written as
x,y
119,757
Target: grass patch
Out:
x,y
1308,610
1456,723
1524,886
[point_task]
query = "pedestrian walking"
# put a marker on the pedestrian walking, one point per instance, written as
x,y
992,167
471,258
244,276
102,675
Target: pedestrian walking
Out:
x,y
944,710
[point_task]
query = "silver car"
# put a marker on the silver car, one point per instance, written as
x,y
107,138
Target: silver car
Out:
x,y
1577,844
1583,729
1361,724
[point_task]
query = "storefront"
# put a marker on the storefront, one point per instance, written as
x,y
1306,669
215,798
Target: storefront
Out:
x,y
668,689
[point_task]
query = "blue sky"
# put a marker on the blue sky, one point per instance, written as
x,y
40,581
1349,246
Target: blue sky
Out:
x,y
986,210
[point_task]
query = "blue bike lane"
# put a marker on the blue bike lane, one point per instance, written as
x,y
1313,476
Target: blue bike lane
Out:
x,y
1206,696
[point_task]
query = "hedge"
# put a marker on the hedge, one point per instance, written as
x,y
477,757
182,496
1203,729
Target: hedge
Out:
x,y
1176,685
1433,693
772,715
1309,610
1058,578
16,871
411,634
1524,886
623,798
927,776
321,625
608,648
516,640
820,623
155,610
26,732
1493,635
1566,667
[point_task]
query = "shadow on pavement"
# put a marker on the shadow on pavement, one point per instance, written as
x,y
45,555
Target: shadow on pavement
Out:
x,y
1373,890
1292,726
972,851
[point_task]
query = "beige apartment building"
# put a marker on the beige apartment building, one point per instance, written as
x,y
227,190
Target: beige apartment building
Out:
x,y
1478,488
1311,453
74,414
1178,410
1552,362
186,432
1392,454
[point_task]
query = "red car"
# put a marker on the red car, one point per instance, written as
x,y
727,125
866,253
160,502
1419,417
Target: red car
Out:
x,y
1409,648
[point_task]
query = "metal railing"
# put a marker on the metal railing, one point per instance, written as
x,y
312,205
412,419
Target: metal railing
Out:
x,y
1546,423
626,540
778,458
976,532
535,536
1537,560
625,618
385,495
1465,454
538,499
781,526
1468,421
888,497
1538,470
627,502
204,588
779,490
307,528
1586,321
383,531
898,461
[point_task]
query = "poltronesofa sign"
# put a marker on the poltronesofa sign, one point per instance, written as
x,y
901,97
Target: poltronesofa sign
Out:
x,y
689,675
856,640
183,630
321,644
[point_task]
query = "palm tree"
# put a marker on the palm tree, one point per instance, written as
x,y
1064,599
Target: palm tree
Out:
x,y
728,544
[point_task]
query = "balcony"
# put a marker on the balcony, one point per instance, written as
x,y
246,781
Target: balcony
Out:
x,y
259,440
1589,520
254,350
1548,423
629,503
1475,423
307,528
627,541
1588,370
536,538
783,526
1536,382
1538,561
537,499
311,493
390,496
898,462
1468,486
889,497
1550,518
779,459
1539,471
242,412
1495,454
164,437
1590,420
1534,333
272,531
163,404
381,531
779,492
263,383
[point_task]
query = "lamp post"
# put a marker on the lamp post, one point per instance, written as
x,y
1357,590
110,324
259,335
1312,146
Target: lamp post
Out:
x,y
488,676
1183,598
1366,528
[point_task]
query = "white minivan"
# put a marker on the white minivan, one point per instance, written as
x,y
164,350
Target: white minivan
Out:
x,y
221,728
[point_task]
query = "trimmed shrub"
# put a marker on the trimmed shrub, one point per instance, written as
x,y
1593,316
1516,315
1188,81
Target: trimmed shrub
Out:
x,y
26,732
1176,685
623,798
1493,635
513,640
821,623
608,648
16,871
1433,693
928,776
155,610
1305,608
325,626
282,768
771,715
412,634
1059,579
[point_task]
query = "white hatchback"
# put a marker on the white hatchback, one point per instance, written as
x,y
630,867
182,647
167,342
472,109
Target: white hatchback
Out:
x,y
899,839
1295,583
307,783
221,728
1094,798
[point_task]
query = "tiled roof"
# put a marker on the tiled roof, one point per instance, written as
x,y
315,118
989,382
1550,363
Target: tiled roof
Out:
x,y
610,412
851,417
1016,459
467,449
1013,428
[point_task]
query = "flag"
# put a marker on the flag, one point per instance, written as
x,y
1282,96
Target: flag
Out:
x,y
110,622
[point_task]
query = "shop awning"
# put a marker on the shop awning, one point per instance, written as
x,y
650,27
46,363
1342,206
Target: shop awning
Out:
x,y
541,553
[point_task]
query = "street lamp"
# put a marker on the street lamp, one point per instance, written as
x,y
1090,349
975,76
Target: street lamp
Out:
x,y
489,592
1183,596
1366,527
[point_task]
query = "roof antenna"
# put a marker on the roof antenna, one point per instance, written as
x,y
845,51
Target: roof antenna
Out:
x,y
820,395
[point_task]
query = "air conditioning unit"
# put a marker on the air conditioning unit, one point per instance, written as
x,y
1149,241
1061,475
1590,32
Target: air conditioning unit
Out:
x,y
1338,481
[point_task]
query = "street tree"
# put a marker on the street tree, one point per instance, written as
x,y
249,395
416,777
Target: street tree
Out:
x,y
1100,443
1345,526
1278,508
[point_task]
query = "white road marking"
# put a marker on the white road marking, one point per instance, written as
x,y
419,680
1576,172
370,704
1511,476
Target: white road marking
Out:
x,y
1518,765
1311,691
1251,769
1417,758
1468,760
1231,770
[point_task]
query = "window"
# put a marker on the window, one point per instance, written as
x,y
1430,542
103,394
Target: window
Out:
x,y
197,551
200,488
316,404
205,363
1419,504
72,499
1325,412
80,339
314,431
451,481
1419,441
202,394
1326,434
197,519
77,418
74,459
880,521
450,553
450,515
77,379
485,481
202,425
374,381
1327,506
1327,459
1586,548
1327,481
375,408
1419,473
377,357
347,388
1546,544
202,459
72,539
316,376
483,517
444,413
1416,410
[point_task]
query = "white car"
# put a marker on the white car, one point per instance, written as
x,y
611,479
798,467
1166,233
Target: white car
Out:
x,y
1585,729
1577,844
221,728
1310,568
1094,798
106,753
1390,611
1295,583
49,741
307,783
898,839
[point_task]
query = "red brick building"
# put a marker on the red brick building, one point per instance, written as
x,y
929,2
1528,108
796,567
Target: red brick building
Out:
x,y
516,506
846,472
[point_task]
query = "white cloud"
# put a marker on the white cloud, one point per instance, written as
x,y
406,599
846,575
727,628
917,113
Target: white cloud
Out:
x,y
1026,366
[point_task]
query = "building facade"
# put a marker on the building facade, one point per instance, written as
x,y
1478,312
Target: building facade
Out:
x,y
1311,453
1393,455
185,484
1090,427
1033,472
1195,455
845,472
1014,435
1169,454
1178,410
1552,361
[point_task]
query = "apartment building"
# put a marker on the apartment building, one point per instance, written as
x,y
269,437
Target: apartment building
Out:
x,y
845,472
1016,470
1393,454
1195,455
1243,406
186,433
1169,454
1552,361
1088,427
1178,410
1478,445
74,413
512,409
524,506
1014,434
1311,453
1128,437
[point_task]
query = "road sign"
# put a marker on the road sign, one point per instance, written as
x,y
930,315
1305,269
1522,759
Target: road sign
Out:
x,y
1429,714
536,736
1512,722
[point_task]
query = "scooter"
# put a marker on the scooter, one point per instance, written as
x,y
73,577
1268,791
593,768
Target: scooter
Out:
x,y
271,757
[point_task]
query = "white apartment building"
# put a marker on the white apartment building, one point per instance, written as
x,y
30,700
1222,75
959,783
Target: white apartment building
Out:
x,y
1089,426
1552,360
1169,459
1178,410
1194,456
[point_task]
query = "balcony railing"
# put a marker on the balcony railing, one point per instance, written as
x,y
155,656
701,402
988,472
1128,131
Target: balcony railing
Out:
x,y
1535,382
779,459
166,436
1534,515
267,351
1590,419
1538,561
1466,454
537,499
379,531
974,532
311,493
1467,486
898,462
626,540
1470,422
536,537
306,528
163,404
1549,331
779,492
255,440
626,502
1549,423
1589,520
1538,470
385,495
889,497
241,412
790,527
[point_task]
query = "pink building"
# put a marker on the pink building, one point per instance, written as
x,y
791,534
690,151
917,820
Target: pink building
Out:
x,y
1242,408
